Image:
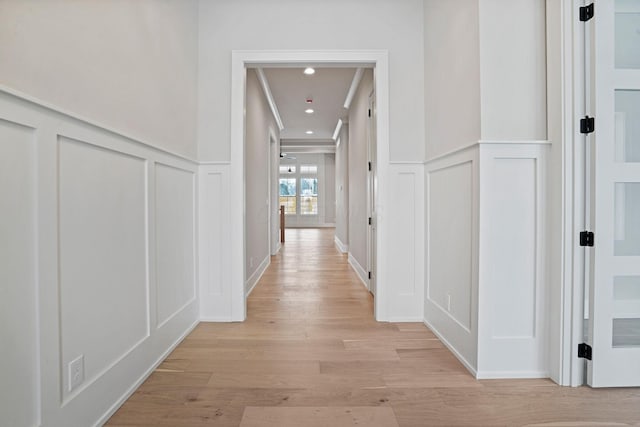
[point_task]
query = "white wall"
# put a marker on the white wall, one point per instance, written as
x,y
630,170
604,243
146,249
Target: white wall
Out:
x,y
342,189
451,75
486,296
358,130
103,267
513,70
260,124
99,225
304,24
18,267
131,66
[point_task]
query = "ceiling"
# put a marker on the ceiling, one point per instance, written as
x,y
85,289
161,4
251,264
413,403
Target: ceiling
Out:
x,y
327,88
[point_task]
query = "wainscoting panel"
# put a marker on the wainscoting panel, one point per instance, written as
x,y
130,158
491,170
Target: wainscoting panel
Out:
x,y
102,255
451,263
79,204
175,217
406,237
214,238
18,281
512,330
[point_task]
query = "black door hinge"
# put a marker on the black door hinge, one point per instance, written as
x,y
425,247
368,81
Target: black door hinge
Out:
x,y
586,12
369,275
369,220
369,166
587,125
584,351
369,112
587,238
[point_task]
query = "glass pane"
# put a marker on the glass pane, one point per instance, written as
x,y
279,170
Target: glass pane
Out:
x,y
309,196
627,34
627,126
626,223
288,195
309,169
626,311
285,169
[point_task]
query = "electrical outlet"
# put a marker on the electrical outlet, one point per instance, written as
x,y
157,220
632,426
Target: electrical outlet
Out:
x,y
448,302
76,372
251,262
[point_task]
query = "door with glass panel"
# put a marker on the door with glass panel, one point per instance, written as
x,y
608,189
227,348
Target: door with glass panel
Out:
x,y
614,320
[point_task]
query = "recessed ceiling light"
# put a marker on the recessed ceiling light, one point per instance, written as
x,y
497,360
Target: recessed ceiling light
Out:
x,y
309,132
309,111
308,71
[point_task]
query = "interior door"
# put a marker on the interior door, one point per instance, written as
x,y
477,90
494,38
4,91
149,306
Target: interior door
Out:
x,y
372,187
614,303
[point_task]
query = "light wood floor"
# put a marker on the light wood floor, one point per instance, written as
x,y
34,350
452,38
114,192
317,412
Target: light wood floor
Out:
x,y
310,354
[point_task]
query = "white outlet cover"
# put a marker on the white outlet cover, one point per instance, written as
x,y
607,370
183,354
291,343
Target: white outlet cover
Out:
x,y
76,372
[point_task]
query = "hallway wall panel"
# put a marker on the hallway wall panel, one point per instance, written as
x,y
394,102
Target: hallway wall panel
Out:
x,y
405,264
486,289
18,276
101,249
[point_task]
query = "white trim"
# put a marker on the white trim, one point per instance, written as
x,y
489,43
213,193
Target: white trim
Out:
x,y
112,410
357,77
320,225
215,163
336,133
494,375
486,142
242,59
257,275
452,349
262,78
406,319
360,272
56,109
341,246
515,141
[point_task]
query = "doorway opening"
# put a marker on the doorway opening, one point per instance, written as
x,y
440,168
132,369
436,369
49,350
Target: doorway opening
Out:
x,y
243,60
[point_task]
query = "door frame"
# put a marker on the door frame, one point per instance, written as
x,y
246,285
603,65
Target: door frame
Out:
x,y
565,74
243,59
274,208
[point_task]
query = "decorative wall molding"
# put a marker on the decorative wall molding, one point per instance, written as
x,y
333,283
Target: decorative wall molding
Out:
x,y
407,236
493,212
214,239
95,245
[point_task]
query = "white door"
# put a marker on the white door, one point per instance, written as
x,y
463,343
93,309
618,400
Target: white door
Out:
x,y
371,192
614,289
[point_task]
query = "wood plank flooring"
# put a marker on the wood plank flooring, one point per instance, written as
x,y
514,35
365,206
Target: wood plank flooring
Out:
x,y
310,354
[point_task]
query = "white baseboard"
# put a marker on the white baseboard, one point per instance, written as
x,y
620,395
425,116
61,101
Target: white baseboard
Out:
x,y
495,375
278,247
255,277
362,274
209,319
405,320
341,246
321,225
452,349
112,410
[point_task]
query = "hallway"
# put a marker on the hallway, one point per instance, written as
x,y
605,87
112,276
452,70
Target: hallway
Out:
x,y
311,354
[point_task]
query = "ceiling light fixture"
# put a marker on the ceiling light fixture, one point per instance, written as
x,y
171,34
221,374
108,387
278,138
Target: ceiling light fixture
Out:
x,y
309,71
309,132
309,111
